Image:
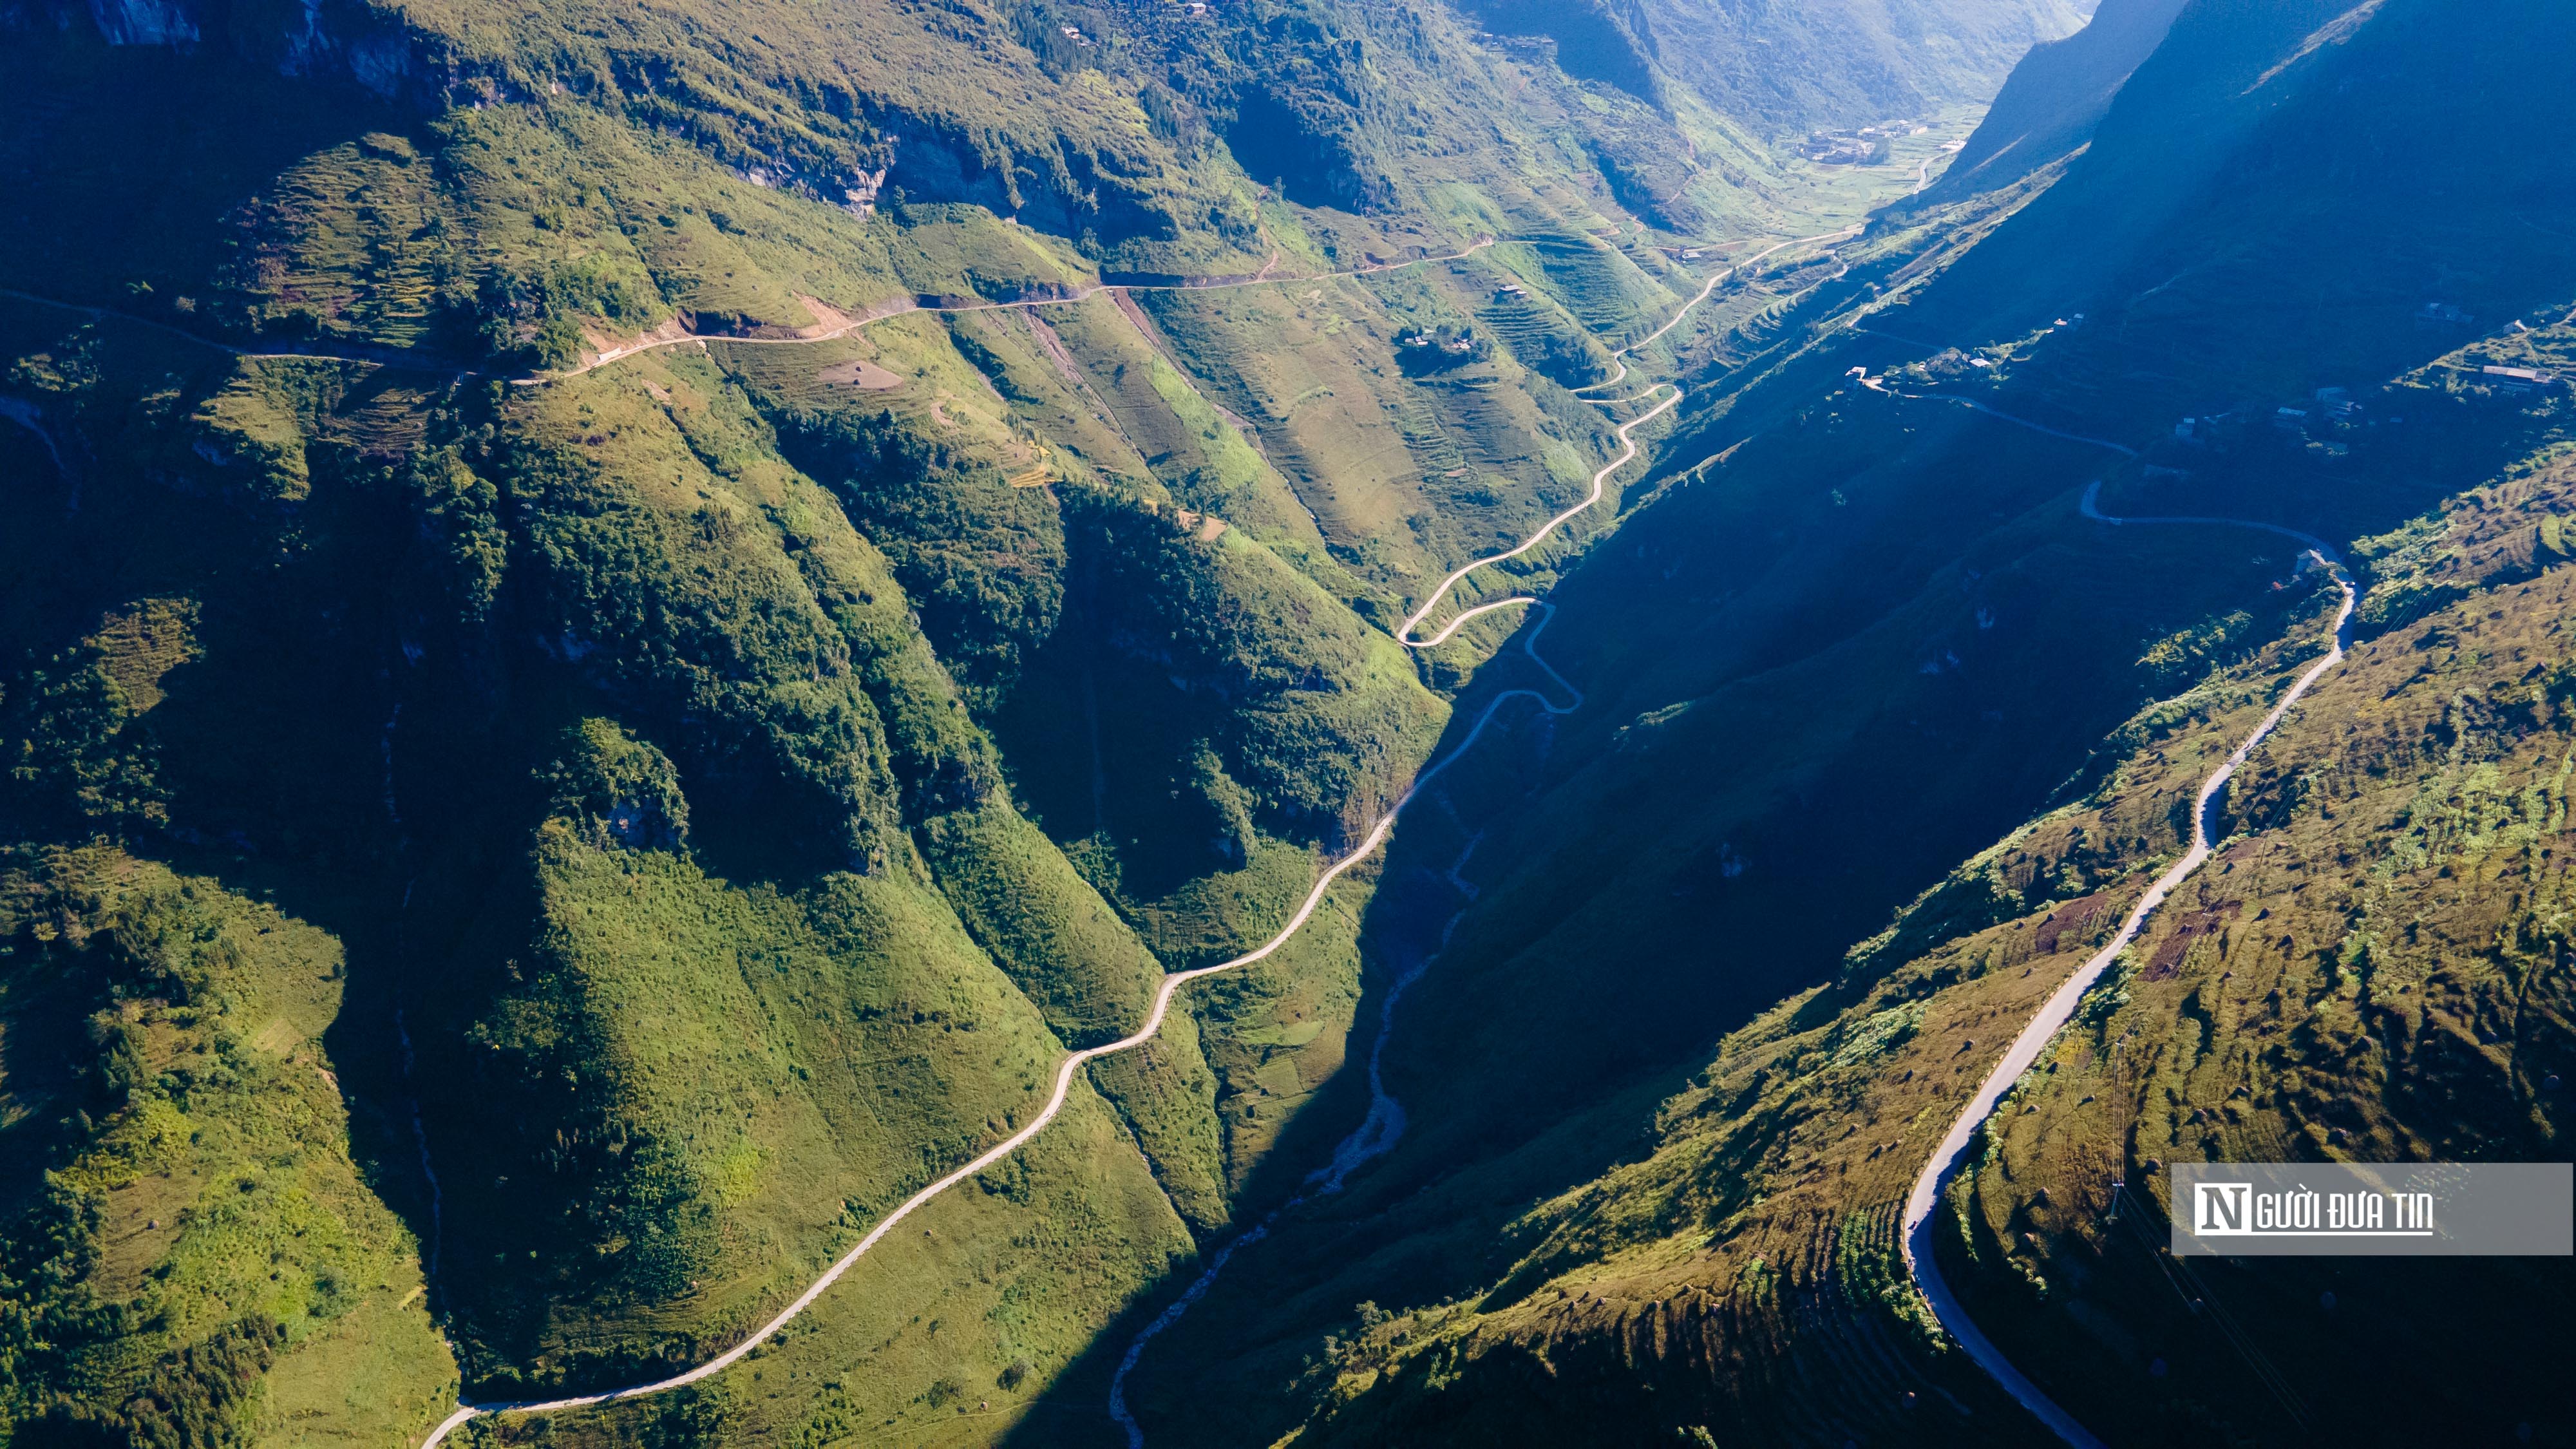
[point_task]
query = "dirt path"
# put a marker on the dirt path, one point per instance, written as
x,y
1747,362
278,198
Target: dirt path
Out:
x,y
674,334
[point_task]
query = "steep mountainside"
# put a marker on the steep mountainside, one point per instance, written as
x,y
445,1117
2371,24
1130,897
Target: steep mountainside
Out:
x,y
2056,96
617,624
1843,63
1858,634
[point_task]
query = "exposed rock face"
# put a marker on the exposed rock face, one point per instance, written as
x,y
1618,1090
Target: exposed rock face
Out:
x,y
375,57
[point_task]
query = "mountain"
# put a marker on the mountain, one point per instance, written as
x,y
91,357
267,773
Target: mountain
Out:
x,y
1784,69
618,624
1884,736
2056,96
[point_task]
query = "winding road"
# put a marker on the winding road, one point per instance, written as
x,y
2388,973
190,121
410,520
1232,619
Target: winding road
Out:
x,y
1404,632
1172,984
680,337
901,306
1384,1125
1922,1205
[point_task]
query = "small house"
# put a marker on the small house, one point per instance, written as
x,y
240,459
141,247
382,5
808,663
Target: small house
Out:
x,y
2518,379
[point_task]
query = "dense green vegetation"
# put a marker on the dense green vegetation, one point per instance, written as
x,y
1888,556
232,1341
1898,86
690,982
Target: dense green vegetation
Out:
x,y
194,1256
688,802
1597,1228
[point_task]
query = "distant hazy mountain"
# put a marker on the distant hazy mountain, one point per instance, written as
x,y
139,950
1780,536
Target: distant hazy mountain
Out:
x,y
2056,96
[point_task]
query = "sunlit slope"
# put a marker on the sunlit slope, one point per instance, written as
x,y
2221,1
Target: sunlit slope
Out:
x,y
1597,1219
794,812
197,1238
566,498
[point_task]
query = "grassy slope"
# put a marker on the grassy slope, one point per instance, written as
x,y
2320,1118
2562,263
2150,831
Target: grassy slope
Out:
x,y
755,1119
1728,1263
160,565
651,531
1405,476
2369,969
460,572
200,1172
741,1205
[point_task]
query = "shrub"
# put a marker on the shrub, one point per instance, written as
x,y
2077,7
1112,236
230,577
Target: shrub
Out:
x,y
617,788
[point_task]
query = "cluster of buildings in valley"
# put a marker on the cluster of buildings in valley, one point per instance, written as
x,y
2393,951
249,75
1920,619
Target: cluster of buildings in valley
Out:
x,y
1859,147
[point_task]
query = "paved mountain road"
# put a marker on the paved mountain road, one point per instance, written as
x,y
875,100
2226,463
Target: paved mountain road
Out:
x,y
1378,1133
1921,1206
1404,632
1172,984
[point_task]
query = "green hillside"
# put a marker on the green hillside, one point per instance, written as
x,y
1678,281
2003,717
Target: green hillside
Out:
x,y
197,1243
720,585
1674,1074
620,624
